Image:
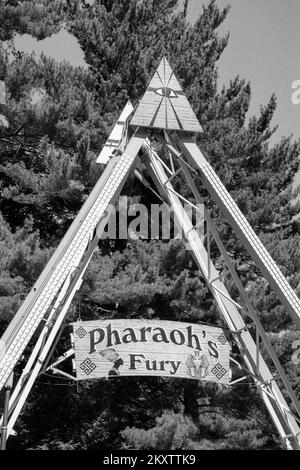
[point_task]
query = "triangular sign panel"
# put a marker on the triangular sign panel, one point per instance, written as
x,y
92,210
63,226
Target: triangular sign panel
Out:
x,y
164,105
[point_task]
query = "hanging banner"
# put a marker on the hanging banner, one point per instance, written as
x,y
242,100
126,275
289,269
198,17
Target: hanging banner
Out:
x,y
107,348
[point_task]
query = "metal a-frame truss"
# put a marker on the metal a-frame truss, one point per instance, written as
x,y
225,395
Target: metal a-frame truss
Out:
x,y
163,110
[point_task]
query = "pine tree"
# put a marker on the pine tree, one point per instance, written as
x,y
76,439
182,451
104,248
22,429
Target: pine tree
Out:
x,y
58,118
172,432
48,151
21,261
39,19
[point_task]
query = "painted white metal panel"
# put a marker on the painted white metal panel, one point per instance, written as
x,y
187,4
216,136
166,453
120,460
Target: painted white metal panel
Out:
x,y
122,347
65,259
164,105
244,230
272,396
116,136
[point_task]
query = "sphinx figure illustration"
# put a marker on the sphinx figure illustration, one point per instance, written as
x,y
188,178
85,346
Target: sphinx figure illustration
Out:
x,y
111,355
197,364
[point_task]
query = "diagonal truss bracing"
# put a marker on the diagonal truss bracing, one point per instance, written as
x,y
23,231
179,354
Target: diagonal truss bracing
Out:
x,y
278,408
164,106
65,259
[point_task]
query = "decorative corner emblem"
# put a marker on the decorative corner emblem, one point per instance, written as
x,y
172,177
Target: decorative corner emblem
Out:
x,y
80,332
87,366
222,339
219,371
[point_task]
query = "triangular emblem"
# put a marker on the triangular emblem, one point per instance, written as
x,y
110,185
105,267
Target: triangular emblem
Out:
x,y
164,104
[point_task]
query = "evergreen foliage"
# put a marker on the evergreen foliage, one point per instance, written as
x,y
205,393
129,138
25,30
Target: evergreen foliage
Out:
x,y
59,116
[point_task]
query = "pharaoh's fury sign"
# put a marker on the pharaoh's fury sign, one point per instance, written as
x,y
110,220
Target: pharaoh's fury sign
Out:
x,y
106,348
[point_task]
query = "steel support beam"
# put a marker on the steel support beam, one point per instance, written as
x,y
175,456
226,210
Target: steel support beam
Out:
x,y
114,176
242,228
67,255
274,400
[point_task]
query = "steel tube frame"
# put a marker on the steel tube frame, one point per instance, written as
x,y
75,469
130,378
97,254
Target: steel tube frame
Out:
x,y
275,402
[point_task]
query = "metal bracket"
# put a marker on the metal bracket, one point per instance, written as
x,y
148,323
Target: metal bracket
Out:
x,y
61,359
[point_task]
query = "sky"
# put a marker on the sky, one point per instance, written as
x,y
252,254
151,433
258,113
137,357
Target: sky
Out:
x,y
264,48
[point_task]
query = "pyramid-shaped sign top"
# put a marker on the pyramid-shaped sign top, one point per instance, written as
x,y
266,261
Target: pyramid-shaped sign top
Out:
x,y
164,104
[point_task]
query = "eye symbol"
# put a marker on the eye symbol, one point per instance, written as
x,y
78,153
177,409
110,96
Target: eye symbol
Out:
x,y
167,92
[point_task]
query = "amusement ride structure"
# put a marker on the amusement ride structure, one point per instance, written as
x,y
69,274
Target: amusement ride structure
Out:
x,y
163,115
